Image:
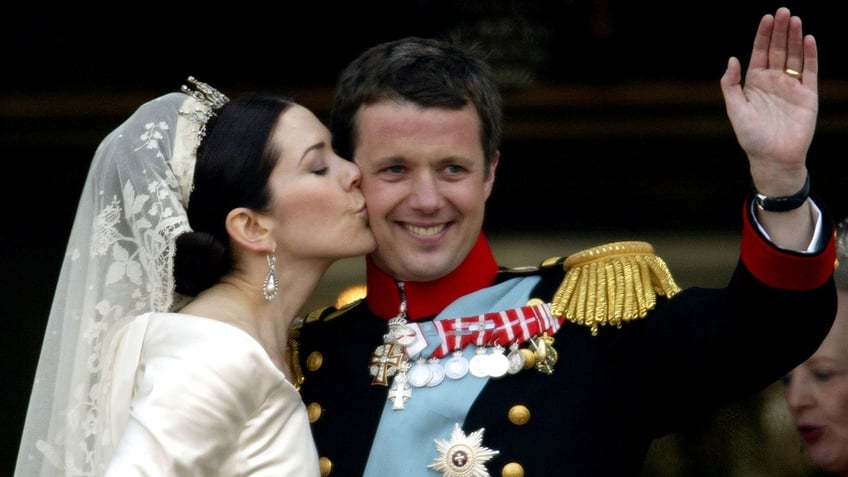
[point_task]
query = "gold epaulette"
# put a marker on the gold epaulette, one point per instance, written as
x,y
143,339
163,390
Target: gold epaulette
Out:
x,y
344,301
293,358
611,284
318,313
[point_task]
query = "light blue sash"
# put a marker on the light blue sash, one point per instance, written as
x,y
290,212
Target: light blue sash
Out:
x,y
405,440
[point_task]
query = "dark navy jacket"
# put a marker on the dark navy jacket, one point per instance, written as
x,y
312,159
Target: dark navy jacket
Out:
x,y
610,394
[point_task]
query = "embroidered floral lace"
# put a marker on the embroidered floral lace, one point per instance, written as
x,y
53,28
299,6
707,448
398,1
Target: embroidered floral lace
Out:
x,y
118,264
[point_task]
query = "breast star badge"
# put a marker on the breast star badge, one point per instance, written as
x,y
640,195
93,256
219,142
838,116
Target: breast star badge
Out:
x,y
462,456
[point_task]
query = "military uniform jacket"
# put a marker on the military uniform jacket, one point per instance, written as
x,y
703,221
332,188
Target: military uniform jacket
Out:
x,y
614,387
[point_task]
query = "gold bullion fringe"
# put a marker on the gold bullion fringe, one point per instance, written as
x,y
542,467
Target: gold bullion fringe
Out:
x,y
611,284
293,358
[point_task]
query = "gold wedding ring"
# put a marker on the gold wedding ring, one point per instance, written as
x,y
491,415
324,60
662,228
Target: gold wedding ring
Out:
x,y
795,74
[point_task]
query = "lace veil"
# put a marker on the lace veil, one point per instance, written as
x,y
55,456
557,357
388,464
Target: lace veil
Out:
x,y
118,264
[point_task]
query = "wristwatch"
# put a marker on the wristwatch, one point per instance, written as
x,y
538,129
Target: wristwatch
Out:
x,y
785,203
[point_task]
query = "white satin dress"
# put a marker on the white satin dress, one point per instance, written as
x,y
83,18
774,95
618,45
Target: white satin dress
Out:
x,y
206,401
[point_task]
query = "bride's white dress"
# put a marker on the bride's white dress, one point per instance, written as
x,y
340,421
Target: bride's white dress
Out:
x,y
205,400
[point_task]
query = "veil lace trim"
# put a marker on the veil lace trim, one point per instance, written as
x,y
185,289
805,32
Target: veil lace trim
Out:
x,y
118,265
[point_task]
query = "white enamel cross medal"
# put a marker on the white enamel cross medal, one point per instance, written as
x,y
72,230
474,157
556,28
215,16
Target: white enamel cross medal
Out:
x,y
400,392
462,456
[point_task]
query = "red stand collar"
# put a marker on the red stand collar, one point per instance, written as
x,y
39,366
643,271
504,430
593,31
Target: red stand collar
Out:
x,y
426,299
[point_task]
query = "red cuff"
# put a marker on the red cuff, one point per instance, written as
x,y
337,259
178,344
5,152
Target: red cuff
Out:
x,y
781,269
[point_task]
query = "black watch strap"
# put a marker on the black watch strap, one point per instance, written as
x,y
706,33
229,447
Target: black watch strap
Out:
x,y
785,203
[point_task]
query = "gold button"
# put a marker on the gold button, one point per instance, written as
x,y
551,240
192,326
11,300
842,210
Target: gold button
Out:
x,y
519,414
314,361
326,466
534,302
314,411
513,469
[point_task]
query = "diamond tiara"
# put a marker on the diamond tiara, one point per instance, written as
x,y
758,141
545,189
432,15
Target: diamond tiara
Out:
x,y
205,94
210,100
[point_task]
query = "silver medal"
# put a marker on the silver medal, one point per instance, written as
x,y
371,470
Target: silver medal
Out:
x,y
456,366
498,363
420,374
479,365
438,372
516,359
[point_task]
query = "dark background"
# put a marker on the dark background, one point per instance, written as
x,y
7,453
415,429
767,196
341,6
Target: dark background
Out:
x,y
614,117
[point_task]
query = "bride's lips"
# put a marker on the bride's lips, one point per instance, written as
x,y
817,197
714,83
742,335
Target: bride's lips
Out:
x,y
810,433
